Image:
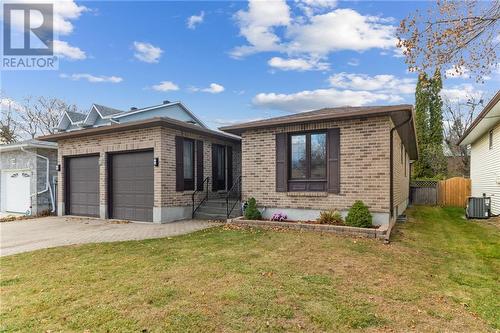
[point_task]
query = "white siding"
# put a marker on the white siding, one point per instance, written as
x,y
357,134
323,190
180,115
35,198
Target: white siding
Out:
x,y
485,168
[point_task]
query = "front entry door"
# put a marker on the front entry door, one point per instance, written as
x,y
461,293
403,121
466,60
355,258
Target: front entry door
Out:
x,y
218,167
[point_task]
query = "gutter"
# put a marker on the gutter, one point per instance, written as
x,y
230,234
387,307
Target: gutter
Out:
x,y
391,167
47,185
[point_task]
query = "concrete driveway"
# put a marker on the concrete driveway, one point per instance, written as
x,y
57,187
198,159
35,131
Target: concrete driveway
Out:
x,y
40,233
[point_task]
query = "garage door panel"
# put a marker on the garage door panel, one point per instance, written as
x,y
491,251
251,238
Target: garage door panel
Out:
x,y
132,177
83,185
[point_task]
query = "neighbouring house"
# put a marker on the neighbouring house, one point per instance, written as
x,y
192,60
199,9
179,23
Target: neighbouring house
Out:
x,y
483,136
143,164
308,162
28,177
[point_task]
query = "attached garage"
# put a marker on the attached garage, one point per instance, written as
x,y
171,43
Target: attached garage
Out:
x,y
82,186
131,186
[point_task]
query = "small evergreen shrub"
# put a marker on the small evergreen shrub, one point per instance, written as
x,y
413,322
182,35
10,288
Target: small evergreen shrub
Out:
x,y
359,216
251,212
330,217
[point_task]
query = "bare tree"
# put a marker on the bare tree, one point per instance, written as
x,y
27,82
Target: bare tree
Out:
x,y
28,118
8,127
41,116
458,35
49,111
458,117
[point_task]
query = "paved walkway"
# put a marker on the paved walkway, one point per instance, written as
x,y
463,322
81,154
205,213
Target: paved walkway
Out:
x,y
40,233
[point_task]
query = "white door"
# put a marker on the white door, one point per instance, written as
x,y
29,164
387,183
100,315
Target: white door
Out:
x,y
16,191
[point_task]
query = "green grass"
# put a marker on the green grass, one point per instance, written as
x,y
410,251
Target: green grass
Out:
x,y
440,273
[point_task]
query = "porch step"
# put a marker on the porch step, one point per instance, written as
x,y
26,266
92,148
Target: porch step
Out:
x,y
216,210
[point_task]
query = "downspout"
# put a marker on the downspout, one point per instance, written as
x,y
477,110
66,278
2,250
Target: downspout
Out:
x,y
47,185
391,167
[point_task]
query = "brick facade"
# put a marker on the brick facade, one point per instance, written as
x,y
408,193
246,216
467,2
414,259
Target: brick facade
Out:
x,y
162,141
364,167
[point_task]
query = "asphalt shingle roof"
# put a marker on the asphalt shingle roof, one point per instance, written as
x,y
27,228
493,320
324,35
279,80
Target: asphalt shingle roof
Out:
x,y
106,111
76,116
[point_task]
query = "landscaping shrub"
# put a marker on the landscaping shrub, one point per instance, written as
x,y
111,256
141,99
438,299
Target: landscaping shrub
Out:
x,y
359,216
279,217
251,212
330,217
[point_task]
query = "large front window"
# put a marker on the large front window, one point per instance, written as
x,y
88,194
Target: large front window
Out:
x,y
308,157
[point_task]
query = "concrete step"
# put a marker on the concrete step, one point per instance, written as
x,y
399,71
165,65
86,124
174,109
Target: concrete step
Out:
x,y
213,216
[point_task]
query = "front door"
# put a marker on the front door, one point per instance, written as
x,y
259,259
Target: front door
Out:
x,y
218,167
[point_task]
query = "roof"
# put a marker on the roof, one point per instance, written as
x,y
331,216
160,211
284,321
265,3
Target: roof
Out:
x,y
28,144
398,113
148,108
106,111
487,119
318,115
75,116
148,123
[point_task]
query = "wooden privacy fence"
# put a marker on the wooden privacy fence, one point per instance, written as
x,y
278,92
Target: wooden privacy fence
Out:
x,y
449,192
423,192
454,192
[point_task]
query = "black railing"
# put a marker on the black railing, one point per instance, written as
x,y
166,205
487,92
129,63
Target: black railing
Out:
x,y
204,188
235,190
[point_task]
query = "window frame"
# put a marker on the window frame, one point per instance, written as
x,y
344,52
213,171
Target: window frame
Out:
x,y
189,182
490,139
307,184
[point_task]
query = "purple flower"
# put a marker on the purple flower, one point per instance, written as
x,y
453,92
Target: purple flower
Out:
x,y
279,217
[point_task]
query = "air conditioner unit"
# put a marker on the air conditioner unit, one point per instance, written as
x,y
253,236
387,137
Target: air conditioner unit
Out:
x,y
478,208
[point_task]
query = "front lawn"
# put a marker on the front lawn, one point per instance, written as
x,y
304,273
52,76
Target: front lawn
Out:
x,y
440,273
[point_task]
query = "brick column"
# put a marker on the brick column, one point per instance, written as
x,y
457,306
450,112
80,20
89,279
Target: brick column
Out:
x,y
103,185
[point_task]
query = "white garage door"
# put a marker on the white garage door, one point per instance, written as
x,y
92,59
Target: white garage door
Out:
x,y
16,191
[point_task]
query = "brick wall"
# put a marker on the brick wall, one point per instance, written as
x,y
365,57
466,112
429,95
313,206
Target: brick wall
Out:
x,y
401,169
364,170
162,141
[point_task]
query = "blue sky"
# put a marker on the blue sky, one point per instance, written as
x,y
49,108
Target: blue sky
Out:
x,y
230,61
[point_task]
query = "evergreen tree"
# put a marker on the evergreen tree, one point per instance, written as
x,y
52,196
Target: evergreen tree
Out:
x,y
429,125
435,109
421,123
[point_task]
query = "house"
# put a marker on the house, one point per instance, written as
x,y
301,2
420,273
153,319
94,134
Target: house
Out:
x,y
28,177
308,162
153,164
483,136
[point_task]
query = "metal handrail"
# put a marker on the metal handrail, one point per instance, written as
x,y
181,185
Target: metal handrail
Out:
x,y
206,180
237,184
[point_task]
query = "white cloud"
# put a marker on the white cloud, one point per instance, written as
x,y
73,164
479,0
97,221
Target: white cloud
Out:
x,y
147,52
195,20
461,93
165,86
92,78
257,26
213,88
64,50
64,12
316,35
341,29
381,83
297,64
345,89
320,98
311,7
